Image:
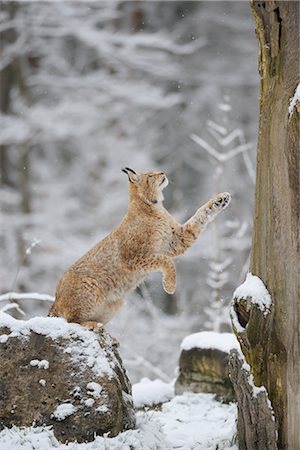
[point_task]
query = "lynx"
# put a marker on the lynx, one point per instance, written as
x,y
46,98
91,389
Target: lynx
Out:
x,y
146,240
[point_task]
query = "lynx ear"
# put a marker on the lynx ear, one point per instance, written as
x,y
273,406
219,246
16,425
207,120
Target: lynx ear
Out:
x,y
132,175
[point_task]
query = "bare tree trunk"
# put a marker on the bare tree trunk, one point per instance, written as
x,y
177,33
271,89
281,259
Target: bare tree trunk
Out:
x,y
271,344
6,83
137,16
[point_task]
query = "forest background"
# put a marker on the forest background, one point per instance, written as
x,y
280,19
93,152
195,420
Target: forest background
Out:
x,y
90,87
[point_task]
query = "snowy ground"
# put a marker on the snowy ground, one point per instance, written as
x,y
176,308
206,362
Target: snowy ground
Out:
x,y
186,422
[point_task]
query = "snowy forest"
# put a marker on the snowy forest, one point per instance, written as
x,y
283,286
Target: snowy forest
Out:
x,y
86,89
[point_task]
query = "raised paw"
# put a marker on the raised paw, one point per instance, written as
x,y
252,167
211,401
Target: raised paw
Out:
x,y
221,201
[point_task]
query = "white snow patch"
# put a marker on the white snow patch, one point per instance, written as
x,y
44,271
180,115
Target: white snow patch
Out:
x,y
40,363
3,338
94,389
81,350
42,382
102,409
62,411
149,393
76,392
90,361
224,342
197,421
89,402
187,422
294,100
254,288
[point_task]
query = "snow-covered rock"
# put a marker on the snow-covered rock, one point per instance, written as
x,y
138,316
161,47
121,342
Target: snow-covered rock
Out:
x,y
151,393
203,364
61,374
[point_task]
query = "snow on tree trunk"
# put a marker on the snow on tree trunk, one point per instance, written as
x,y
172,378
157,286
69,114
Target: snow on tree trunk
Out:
x,y
270,337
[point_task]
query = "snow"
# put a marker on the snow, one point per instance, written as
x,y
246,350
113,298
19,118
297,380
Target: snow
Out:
x,y
254,288
89,402
197,421
42,382
12,306
224,342
102,409
149,393
25,296
83,345
94,389
64,410
294,100
188,422
3,338
40,364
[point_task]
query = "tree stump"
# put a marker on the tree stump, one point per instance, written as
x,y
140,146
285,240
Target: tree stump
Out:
x,y
203,364
252,321
256,423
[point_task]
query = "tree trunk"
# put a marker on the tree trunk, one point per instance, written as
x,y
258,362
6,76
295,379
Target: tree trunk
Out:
x,y
6,84
270,342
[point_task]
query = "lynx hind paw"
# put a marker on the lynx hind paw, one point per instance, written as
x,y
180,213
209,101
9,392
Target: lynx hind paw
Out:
x,y
97,327
221,201
168,288
169,284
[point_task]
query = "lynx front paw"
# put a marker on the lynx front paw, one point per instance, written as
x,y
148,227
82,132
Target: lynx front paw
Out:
x,y
221,201
212,208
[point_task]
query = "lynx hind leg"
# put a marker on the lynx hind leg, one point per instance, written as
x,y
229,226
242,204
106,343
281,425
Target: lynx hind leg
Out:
x,y
213,207
169,278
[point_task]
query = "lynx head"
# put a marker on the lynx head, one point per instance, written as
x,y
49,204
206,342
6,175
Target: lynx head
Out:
x,y
147,186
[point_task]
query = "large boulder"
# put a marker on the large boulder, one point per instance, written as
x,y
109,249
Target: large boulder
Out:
x,y
61,374
203,364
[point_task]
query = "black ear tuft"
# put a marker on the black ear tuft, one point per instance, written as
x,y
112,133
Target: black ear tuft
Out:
x,y
130,170
133,177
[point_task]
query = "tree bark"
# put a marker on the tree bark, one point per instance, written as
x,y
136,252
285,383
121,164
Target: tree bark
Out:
x,y
271,343
263,435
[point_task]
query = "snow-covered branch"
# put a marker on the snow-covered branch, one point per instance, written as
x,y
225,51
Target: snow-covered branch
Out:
x,y
9,296
221,157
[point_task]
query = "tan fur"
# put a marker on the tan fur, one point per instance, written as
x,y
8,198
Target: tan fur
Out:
x,y
146,240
